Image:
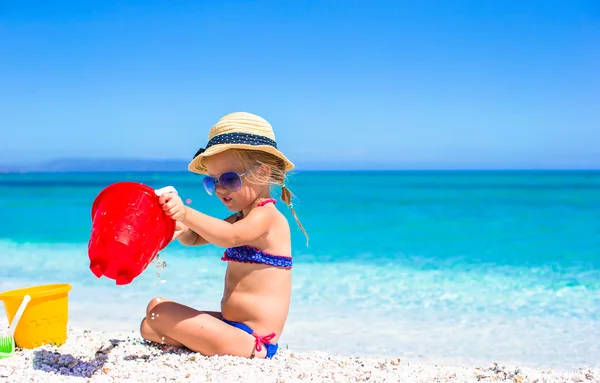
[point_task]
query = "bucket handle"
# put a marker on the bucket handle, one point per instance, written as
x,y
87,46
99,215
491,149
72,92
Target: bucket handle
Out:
x,y
17,317
166,189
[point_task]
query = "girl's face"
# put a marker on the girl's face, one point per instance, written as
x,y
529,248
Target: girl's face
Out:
x,y
224,174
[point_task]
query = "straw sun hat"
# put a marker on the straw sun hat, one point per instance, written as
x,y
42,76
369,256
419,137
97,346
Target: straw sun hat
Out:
x,y
239,130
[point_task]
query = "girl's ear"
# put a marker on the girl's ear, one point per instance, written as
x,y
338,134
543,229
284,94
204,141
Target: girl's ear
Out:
x,y
264,171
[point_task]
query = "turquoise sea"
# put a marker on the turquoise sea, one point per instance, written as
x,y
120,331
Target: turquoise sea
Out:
x,y
444,267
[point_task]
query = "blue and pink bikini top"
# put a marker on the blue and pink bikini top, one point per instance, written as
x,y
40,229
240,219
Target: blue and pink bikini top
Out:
x,y
249,254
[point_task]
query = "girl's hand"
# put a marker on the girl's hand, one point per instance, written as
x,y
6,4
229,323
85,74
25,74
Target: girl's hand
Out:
x,y
172,205
180,229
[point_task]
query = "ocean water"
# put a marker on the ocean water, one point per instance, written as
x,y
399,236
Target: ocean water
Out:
x,y
447,267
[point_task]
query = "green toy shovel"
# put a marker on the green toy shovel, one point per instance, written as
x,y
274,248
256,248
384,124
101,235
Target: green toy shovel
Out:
x,y
7,343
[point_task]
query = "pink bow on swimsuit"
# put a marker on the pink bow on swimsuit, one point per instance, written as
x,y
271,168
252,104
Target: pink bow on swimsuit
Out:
x,y
260,340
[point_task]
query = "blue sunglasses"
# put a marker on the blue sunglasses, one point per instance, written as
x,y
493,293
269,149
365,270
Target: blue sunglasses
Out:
x,y
231,181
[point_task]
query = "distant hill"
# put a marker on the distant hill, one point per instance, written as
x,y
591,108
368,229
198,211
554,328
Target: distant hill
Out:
x,y
99,165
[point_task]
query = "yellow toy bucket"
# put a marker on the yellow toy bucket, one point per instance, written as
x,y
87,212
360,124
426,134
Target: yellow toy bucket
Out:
x,y
44,321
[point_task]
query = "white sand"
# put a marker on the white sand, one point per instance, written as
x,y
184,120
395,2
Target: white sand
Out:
x,y
91,356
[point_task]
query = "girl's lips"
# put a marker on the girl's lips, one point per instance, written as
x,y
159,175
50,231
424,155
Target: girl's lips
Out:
x,y
226,200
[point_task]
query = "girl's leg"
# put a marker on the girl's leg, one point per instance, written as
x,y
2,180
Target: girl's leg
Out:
x,y
149,334
203,332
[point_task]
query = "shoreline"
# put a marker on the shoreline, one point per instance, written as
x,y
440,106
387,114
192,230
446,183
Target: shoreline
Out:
x,y
95,356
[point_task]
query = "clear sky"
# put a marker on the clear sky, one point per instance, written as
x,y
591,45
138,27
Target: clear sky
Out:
x,y
345,84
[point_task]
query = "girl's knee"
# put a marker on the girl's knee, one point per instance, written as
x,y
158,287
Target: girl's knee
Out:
x,y
153,303
157,310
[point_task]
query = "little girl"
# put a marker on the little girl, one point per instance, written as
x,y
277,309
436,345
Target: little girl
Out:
x,y
241,161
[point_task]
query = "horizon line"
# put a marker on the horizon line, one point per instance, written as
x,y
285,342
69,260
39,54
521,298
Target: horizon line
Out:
x,y
374,170
147,165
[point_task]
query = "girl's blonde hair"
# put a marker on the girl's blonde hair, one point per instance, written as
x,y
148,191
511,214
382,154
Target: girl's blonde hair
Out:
x,y
276,175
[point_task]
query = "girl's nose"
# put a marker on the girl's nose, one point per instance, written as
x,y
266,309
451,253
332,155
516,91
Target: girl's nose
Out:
x,y
218,187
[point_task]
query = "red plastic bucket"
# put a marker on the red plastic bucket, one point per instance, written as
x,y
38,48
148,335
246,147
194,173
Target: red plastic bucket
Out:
x,y
129,228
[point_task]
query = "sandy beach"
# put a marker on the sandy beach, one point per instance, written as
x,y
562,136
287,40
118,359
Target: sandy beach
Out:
x,y
93,356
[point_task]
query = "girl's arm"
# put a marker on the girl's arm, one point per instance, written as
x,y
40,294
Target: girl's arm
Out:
x,y
228,233
191,238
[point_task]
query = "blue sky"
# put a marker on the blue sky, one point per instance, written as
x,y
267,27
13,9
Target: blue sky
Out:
x,y
345,84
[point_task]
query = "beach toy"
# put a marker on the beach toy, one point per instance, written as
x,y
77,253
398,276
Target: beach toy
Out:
x,y
45,319
7,343
129,228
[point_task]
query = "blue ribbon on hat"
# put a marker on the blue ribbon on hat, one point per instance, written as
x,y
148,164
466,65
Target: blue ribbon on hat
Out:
x,y
237,138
